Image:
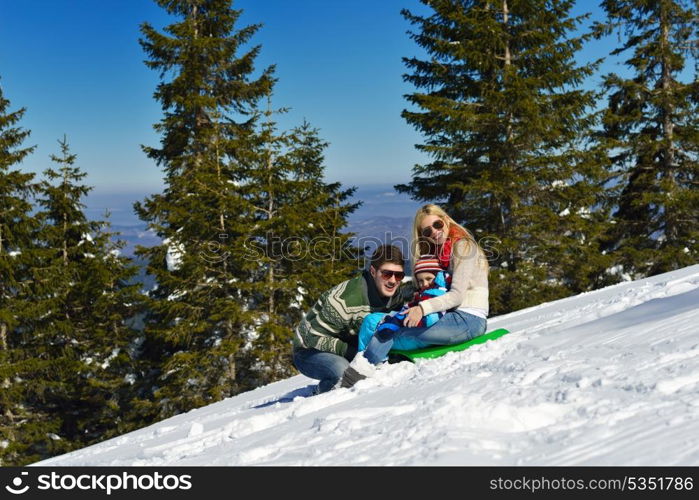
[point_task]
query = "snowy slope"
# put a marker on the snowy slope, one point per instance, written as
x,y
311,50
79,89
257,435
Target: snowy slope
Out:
x,y
609,377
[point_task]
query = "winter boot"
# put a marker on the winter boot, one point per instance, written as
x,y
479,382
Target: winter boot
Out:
x,y
350,377
359,369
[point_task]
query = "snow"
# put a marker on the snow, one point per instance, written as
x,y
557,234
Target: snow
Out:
x,y
609,377
114,354
298,300
558,184
175,253
619,270
86,237
177,294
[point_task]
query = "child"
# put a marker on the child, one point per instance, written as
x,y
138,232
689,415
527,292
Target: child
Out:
x,y
432,281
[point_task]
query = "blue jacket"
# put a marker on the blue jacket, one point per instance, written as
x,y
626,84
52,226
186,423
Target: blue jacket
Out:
x,y
394,321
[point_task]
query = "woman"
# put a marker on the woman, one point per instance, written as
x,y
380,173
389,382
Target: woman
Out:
x,y
465,304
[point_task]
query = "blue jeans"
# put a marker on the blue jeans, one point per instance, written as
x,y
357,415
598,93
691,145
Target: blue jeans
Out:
x,y
453,328
324,366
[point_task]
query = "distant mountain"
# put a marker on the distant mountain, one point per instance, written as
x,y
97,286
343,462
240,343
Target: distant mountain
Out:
x,y
376,200
383,200
385,216
133,235
373,231
119,206
369,231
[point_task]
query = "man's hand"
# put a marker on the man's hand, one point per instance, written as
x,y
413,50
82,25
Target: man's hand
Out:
x,y
413,316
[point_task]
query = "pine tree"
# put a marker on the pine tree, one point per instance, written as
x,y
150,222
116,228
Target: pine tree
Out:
x,y
74,336
651,133
506,126
297,246
16,228
332,251
198,319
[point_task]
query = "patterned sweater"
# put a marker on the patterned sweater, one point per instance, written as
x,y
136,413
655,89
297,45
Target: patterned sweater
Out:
x,y
334,320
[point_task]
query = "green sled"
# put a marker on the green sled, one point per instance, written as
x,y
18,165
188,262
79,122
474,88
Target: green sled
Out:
x,y
396,356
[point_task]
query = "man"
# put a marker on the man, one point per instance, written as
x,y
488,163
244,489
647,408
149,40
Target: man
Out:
x,y
326,339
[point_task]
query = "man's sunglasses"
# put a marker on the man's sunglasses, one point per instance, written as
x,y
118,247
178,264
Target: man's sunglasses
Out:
x,y
427,231
385,274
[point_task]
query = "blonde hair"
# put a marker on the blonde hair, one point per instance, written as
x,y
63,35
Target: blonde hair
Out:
x,y
455,231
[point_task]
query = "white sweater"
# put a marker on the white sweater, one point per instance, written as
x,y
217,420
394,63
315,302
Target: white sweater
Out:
x,y
469,282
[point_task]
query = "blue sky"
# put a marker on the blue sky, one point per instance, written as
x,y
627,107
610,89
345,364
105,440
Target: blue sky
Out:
x,y
77,67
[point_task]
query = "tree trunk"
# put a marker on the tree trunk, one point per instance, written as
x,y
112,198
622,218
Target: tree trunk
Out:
x,y
270,208
3,336
507,206
3,346
65,242
667,109
508,62
223,193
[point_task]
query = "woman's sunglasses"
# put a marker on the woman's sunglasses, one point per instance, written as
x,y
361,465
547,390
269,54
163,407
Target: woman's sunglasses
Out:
x,y
427,231
385,274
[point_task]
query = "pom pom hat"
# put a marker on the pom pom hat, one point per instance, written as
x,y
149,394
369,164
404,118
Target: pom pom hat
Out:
x,y
427,263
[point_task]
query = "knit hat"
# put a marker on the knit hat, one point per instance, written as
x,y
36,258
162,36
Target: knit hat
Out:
x,y
427,263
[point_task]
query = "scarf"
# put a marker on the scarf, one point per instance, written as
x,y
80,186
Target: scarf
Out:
x,y
444,253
